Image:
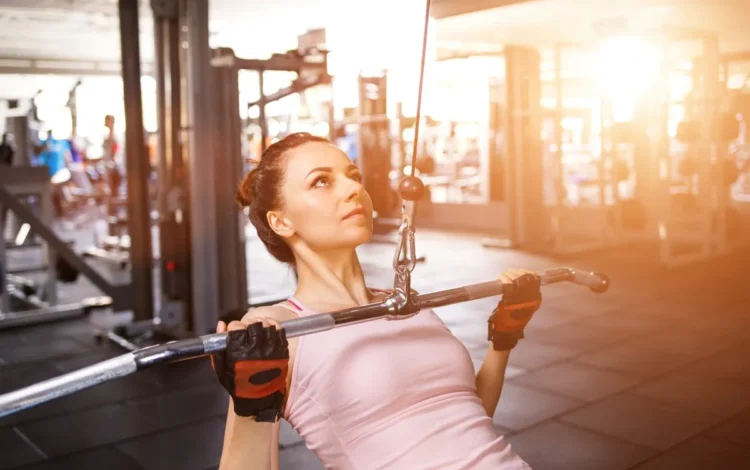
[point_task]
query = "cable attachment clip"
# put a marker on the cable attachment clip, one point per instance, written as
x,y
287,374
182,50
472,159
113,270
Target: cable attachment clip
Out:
x,y
404,261
405,258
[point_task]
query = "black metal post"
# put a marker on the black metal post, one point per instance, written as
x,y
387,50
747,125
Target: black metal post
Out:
x,y
138,167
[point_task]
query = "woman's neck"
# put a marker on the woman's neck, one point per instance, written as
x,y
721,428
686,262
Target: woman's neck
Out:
x,y
333,279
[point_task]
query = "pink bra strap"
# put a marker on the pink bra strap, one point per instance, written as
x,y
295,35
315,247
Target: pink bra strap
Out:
x,y
294,304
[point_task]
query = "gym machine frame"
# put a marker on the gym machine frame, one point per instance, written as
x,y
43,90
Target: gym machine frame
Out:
x,y
15,181
202,241
310,65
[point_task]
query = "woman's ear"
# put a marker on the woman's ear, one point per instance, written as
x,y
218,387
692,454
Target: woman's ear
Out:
x,y
279,224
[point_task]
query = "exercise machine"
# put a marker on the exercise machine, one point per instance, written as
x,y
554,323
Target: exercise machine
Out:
x,y
39,303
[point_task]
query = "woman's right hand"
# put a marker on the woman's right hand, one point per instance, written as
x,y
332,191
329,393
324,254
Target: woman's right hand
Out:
x,y
254,366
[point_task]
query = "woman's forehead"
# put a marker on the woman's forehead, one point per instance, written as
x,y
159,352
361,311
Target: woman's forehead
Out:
x,y
305,158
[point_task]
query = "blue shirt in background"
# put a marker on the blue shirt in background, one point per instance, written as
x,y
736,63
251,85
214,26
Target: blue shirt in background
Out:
x,y
53,156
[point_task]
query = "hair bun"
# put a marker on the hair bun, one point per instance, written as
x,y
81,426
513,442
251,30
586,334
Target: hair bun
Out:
x,y
244,195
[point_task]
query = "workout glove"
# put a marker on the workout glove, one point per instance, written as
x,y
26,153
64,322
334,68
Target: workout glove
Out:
x,y
253,369
521,299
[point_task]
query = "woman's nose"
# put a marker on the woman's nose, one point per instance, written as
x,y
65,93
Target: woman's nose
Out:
x,y
353,189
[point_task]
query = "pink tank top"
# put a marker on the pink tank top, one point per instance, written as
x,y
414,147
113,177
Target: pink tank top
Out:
x,y
392,395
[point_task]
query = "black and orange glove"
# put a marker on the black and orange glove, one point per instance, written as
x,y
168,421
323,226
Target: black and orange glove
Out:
x,y
522,297
253,369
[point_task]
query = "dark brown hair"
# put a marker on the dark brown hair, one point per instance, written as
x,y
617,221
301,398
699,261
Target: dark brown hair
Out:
x,y
260,191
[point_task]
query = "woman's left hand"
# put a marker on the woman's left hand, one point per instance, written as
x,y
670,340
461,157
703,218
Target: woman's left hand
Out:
x,y
522,297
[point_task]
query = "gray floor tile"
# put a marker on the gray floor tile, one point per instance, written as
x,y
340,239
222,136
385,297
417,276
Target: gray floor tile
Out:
x,y
551,314
577,381
735,326
626,321
15,451
735,429
470,333
298,458
105,458
557,446
581,340
83,360
636,360
15,377
708,399
590,304
685,341
530,355
502,430
732,364
677,307
182,406
638,420
43,351
193,447
287,435
512,372
195,372
522,407
111,392
701,453
87,429
80,329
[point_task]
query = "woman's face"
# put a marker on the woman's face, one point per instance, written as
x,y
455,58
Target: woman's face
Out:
x,y
325,202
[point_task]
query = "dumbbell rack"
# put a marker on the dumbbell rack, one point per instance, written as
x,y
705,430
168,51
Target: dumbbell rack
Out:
x,y
701,224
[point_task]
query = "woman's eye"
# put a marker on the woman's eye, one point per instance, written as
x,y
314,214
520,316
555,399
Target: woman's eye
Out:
x,y
357,177
320,182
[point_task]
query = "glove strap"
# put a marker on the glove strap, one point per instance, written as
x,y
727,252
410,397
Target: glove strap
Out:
x,y
260,378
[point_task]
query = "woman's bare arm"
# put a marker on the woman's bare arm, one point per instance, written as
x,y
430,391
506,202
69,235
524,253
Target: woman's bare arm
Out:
x,y
491,377
249,445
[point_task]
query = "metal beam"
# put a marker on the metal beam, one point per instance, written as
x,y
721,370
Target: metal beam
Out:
x,y
451,55
289,62
201,129
51,66
297,86
137,163
87,6
447,8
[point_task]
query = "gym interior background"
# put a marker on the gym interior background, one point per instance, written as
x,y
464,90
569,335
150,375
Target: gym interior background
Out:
x,y
605,137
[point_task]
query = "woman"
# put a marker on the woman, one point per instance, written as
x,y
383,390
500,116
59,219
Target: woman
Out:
x,y
376,395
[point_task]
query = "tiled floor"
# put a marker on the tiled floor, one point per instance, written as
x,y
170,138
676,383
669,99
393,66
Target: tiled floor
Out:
x,y
653,375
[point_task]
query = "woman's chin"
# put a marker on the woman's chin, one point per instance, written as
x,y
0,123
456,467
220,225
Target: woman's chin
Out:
x,y
356,237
